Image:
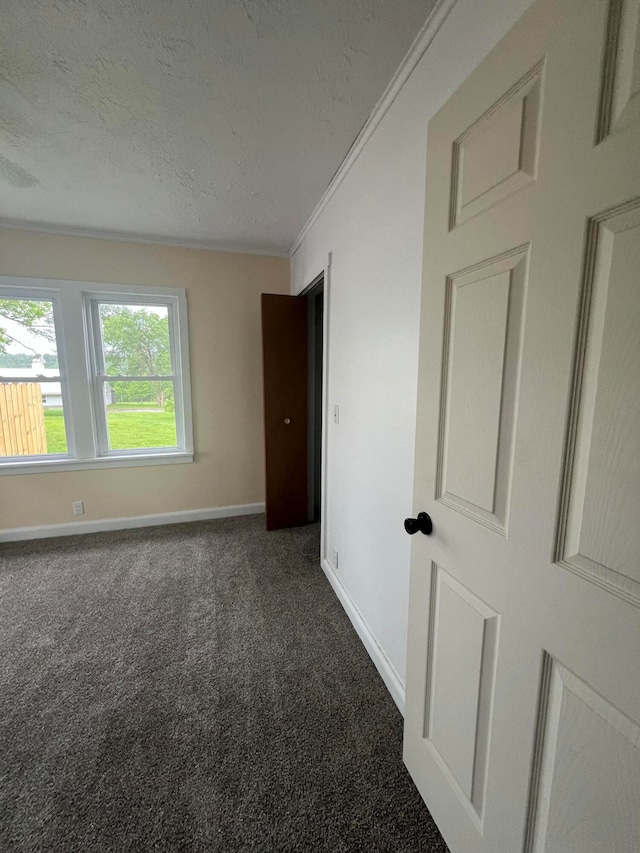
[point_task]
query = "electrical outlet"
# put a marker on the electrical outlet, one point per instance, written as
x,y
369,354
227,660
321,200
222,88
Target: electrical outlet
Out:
x,y
335,559
78,507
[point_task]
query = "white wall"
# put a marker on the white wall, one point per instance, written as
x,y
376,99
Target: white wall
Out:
x,y
373,226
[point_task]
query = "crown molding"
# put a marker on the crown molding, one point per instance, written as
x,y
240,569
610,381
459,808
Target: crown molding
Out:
x,y
88,233
415,53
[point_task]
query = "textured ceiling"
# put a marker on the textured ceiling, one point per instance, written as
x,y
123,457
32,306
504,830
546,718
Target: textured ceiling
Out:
x,y
213,121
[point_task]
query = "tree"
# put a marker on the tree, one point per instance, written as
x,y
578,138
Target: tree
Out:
x,y
24,359
136,343
34,315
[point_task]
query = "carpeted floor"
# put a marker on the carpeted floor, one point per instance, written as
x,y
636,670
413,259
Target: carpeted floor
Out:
x,y
194,687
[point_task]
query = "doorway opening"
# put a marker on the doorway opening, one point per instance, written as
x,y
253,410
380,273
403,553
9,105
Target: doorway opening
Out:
x,y
314,296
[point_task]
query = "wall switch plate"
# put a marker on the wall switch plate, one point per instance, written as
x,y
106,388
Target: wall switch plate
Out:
x,y
78,507
335,559
336,414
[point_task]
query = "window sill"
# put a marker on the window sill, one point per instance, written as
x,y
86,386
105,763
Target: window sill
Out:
x,y
39,466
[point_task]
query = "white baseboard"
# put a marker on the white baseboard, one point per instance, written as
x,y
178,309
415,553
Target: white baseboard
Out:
x,y
377,654
71,529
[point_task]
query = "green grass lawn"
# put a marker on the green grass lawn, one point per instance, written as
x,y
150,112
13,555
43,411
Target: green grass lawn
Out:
x,y
141,429
54,428
127,429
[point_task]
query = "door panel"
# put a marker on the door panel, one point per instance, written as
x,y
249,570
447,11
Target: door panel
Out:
x,y
498,154
583,737
461,663
523,690
284,347
620,106
480,367
601,533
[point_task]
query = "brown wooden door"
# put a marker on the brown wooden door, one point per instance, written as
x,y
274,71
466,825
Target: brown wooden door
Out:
x,y
284,347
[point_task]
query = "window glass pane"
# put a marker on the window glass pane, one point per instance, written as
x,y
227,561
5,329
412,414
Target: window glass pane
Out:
x,y
135,339
140,414
32,420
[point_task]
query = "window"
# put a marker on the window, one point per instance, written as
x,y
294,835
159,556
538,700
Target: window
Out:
x,y
29,378
92,375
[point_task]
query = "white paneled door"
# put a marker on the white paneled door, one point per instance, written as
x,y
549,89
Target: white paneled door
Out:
x,y
522,723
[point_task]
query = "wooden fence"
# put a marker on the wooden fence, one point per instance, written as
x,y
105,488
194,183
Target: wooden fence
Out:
x,y
21,419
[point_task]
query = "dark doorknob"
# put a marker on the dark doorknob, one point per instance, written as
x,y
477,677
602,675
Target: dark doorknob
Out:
x,y
422,523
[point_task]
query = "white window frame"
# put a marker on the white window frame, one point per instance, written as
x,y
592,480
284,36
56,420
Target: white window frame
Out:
x,y
75,309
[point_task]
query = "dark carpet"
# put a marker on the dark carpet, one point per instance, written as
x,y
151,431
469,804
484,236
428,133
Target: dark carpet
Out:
x,y
194,687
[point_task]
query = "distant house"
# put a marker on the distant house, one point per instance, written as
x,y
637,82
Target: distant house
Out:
x,y
51,391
